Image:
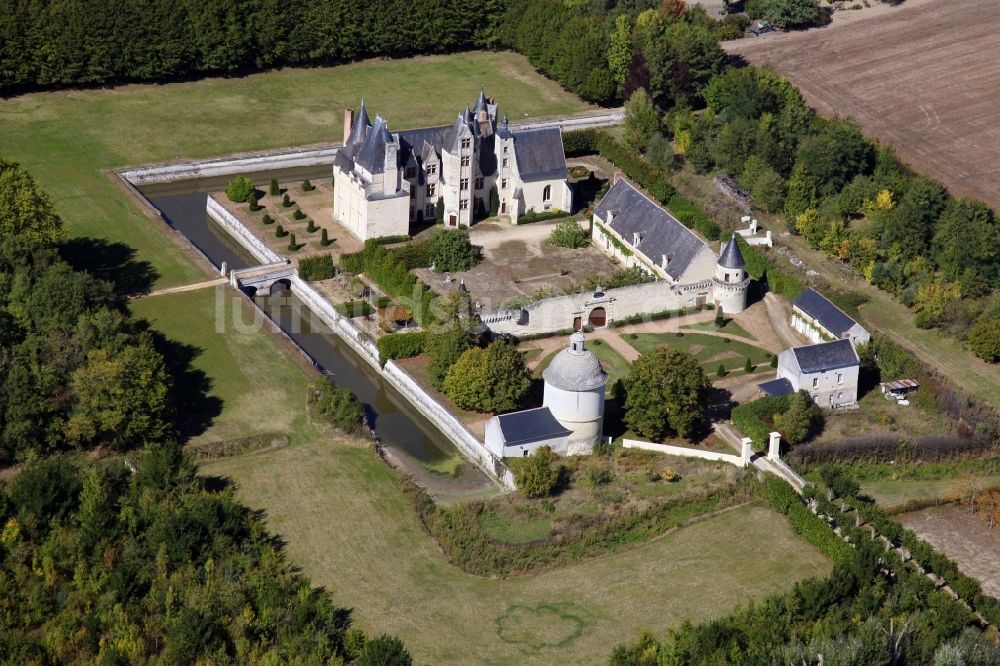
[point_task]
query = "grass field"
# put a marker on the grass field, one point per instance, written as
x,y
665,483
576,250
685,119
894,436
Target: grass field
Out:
x,y
66,138
710,350
351,530
889,493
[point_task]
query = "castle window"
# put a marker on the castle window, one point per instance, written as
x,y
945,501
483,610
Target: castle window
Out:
x,y
429,210
815,382
463,204
466,143
432,169
465,160
430,190
727,277
547,193
479,182
505,163
463,184
840,378
503,183
505,150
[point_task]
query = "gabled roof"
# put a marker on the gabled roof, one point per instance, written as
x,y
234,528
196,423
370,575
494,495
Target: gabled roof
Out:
x,y
530,425
825,356
777,387
731,257
823,311
661,232
371,155
540,154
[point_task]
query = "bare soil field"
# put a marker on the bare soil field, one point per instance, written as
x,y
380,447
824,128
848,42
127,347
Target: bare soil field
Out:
x,y
963,537
924,77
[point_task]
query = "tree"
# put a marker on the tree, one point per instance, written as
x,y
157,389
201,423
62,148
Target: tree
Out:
x,y
451,251
787,14
494,201
537,475
665,394
274,190
984,338
494,379
620,50
25,208
720,317
337,406
569,234
384,651
768,190
966,236
641,120
748,366
240,189
446,348
439,210
835,155
800,419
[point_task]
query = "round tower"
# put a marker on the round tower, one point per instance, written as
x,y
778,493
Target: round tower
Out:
x,y
729,287
574,393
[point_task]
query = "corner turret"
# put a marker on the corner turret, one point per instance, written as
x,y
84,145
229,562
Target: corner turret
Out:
x,y
729,287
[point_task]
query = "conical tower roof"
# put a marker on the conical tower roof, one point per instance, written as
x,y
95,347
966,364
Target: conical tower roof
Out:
x,y
480,102
731,256
360,128
575,368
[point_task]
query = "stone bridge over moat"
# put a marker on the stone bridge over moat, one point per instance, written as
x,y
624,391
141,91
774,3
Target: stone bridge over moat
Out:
x,y
262,278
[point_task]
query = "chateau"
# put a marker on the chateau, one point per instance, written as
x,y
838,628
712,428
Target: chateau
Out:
x,y
385,181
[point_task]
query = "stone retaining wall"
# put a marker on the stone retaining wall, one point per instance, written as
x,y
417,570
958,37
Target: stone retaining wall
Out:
x,y
241,234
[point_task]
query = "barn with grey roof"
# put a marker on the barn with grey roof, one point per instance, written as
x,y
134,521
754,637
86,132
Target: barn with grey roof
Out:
x,y
817,318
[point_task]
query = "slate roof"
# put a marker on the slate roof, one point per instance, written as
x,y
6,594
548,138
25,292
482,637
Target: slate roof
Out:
x,y
530,425
823,311
661,232
777,387
540,154
825,356
731,257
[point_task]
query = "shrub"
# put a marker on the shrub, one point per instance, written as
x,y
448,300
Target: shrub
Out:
x,y
748,366
451,251
984,338
569,234
755,419
254,206
298,214
267,219
240,189
392,275
280,232
537,475
311,227
401,345
669,475
317,267
532,216
324,239
292,245
774,360
286,201
274,190
489,380
307,186
580,142
721,371
336,406
391,240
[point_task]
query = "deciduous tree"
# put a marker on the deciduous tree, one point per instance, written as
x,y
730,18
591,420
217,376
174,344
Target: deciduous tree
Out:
x,y
665,394
25,208
493,379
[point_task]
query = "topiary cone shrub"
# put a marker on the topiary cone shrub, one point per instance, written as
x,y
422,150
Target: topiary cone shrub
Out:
x,y
275,190
774,360
311,228
307,186
268,219
324,239
254,206
721,371
298,214
748,366
286,201
280,231
292,245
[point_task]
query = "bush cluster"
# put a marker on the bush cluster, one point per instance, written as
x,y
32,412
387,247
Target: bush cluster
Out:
x,y
755,419
569,234
337,406
240,189
883,448
390,271
317,267
401,345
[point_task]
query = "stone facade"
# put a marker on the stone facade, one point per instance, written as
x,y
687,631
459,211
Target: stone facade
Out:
x,y
385,181
831,383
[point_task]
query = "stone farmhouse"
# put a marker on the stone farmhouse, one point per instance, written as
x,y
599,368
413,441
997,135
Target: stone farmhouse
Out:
x,y
571,418
815,317
635,231
828,371
385,181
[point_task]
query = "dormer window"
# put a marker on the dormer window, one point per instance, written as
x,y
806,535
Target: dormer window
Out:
x,y
664,260
636,239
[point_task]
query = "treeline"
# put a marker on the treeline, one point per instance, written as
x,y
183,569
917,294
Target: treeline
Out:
x,y
50,43
853,200
146,562
76,371
872,609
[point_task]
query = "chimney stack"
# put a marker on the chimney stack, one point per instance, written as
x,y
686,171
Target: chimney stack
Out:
x,y
348,122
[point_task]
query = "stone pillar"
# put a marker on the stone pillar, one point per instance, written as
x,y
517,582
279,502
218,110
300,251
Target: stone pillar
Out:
x,y
746,450
774,446
224,269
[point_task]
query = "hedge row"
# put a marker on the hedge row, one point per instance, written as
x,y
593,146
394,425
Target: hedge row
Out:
x,y
532,216
401,345
749,417
655,316
781,497
316,267
883,448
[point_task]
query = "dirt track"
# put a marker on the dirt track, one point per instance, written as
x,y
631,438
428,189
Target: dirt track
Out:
x,y
924,77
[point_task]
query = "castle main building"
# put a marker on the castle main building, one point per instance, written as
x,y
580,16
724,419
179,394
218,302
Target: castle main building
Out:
x,y
384,180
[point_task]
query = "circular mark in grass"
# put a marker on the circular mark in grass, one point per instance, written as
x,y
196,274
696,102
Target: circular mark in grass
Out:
x,y
538,627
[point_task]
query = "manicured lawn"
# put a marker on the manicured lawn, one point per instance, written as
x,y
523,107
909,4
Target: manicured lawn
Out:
x,y
66,138
730,326
710,350
612,362
348,526
261,389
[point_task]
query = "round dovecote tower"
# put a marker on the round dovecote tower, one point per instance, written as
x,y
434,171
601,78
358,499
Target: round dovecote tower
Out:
x,y
729,287
574,393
